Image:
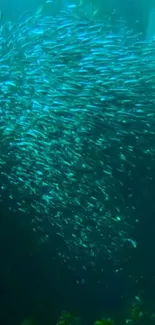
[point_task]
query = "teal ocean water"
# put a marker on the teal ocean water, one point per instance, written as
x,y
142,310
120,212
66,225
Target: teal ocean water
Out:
x,y
77,157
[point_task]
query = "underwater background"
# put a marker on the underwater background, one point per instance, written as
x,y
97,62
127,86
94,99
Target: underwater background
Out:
x,y
77,162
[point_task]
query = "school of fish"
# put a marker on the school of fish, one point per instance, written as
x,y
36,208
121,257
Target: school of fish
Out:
x,y
76,119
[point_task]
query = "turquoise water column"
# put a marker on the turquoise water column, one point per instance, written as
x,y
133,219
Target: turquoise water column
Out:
x,y
150,33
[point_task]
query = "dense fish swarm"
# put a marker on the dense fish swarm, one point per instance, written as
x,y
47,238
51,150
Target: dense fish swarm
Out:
x,y
76,116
